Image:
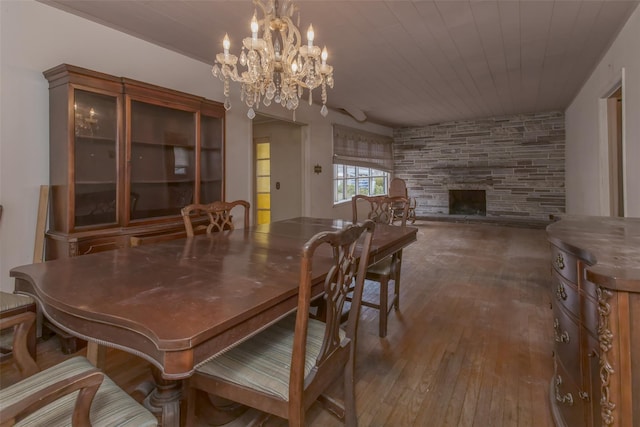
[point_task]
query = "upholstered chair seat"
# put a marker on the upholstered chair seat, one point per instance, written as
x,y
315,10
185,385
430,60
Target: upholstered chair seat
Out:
x,y
264,361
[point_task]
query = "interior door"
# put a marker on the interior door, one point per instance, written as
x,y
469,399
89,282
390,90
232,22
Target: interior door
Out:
x,y
286,167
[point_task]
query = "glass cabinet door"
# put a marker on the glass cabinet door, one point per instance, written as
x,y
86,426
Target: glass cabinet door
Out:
x,y
95,158
162,160
211,164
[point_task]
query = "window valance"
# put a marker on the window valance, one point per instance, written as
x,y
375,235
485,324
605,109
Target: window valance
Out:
x,y
360,148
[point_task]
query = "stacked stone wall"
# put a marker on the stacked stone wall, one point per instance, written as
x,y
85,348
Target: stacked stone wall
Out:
x,y
518,160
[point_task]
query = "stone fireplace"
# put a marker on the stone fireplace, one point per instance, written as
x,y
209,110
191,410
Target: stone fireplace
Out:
x,y
468,202
514,166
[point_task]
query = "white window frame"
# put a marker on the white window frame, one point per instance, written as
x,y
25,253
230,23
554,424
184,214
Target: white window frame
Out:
x,y
360,160
349,180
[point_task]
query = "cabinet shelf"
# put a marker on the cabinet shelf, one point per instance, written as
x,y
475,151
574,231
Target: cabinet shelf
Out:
x,y
85,138
161,181
162,144
94,182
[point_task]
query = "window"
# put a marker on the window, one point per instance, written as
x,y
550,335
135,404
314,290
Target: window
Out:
x,y
351,180
362,163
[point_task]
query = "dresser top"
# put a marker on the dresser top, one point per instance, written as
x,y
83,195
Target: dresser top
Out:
x,y
610,246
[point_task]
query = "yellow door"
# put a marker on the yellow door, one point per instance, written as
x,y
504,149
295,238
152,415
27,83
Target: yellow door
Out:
x,y
263,181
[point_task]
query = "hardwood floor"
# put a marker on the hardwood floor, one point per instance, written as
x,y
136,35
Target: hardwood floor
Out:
x,y
470,346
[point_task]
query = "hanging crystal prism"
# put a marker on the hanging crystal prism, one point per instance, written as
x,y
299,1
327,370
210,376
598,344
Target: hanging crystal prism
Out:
x,y
251,114
324,111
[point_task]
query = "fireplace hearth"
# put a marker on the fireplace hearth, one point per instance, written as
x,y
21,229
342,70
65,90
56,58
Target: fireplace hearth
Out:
x,y
468,202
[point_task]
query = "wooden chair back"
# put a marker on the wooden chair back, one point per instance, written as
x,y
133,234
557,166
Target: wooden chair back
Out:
x,y
398,188
218,214
382,209
336,355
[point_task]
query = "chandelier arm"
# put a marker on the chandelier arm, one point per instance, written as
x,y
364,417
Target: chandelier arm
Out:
x,y
263,8
232,72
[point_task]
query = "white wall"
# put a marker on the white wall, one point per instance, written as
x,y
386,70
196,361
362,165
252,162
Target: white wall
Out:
x,y
586,163
35,37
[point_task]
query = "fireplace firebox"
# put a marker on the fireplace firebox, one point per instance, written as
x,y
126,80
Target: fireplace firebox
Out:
x,y
468,202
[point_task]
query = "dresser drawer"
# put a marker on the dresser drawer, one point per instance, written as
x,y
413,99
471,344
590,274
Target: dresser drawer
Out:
x,y
91,246
565,293
566,334
589,288
594,390
565,264
565,396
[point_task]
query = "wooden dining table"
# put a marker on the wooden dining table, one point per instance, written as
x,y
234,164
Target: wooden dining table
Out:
x,y
178,303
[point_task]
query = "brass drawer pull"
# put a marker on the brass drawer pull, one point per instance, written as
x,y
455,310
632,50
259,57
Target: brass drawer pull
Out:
x,y
559,262
561,294
567,398
560,337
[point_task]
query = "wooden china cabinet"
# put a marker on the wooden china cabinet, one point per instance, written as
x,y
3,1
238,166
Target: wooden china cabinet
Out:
x,y
125,157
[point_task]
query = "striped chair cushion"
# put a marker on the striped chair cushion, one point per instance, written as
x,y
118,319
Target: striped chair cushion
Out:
x,y
9,301
381,267
263,362
111,405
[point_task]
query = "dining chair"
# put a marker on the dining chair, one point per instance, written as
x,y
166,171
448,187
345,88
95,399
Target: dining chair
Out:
x,y
10,305
71,393
384,210
398,188
218,214
285,368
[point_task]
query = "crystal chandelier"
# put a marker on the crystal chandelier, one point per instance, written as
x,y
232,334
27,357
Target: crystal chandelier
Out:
x,y
276,66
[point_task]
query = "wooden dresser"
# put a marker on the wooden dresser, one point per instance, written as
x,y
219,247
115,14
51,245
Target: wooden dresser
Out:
x,y
595,289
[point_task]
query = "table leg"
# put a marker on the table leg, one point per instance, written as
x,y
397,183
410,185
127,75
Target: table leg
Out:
x,y
96,354
164,400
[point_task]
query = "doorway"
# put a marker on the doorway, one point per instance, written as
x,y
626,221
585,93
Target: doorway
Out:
x,y
615,153
278,168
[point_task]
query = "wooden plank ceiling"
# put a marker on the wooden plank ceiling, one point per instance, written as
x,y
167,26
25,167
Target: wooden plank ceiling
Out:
x,y
407,63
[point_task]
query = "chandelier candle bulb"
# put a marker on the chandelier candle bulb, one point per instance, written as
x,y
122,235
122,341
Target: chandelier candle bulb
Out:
x,y
254,27
310,36
324,56
226,44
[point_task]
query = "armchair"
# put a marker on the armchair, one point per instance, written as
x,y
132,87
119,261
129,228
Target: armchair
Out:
x,y
398,188
73,392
